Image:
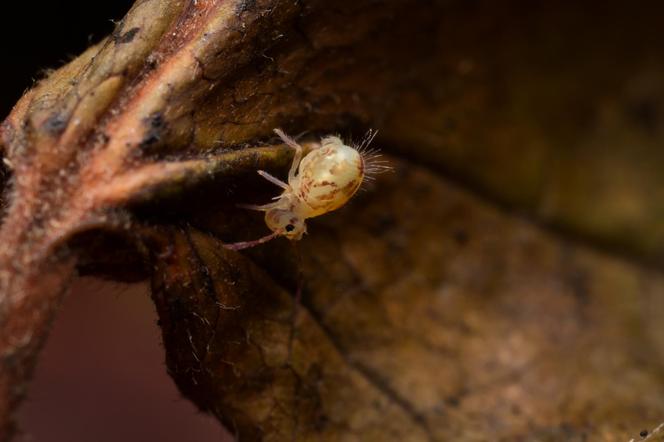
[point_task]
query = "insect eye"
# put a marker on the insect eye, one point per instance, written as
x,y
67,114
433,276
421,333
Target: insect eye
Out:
x,y
290,228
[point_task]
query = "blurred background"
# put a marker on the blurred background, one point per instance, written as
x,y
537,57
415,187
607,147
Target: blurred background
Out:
x,y
101,376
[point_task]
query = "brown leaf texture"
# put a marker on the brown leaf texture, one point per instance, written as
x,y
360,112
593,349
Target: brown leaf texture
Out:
x,y
427,313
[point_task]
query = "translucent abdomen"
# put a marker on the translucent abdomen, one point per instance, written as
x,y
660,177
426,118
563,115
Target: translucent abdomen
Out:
x,y
328,177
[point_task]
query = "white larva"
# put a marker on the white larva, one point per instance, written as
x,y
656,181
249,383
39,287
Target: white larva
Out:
x,y
324,180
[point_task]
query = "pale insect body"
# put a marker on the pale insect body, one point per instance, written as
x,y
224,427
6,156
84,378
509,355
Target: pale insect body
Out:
x,y
324,180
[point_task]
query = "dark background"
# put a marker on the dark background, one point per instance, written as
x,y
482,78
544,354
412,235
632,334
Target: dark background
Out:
x,y
101,376
40,35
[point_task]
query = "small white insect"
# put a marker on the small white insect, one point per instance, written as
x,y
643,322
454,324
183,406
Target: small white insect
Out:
x,y
324,180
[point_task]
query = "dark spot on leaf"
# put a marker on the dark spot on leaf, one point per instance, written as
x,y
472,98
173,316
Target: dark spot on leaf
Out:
x,y
245,6
151,63
55,124
156,127
643,433
127,37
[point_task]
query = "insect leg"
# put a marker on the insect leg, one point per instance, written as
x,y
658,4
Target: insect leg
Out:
x,y
273,180
298,152
246,244
262,207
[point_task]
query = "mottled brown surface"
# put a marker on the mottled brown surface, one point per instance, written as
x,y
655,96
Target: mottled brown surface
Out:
x,y
428,314
426,309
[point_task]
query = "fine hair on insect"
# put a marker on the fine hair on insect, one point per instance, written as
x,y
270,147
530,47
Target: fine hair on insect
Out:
x,y
374,163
